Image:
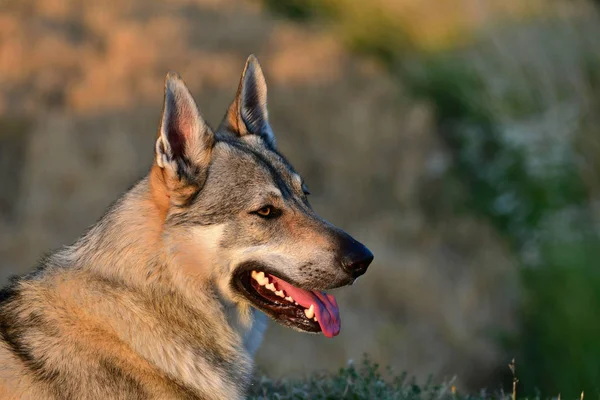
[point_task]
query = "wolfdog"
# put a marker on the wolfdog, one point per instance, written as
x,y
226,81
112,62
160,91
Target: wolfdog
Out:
x,y
167,295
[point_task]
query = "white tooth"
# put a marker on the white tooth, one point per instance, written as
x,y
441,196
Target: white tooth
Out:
x,y
271,287
254,274
296,303
289,298
310,313
262,279
280,293
315,318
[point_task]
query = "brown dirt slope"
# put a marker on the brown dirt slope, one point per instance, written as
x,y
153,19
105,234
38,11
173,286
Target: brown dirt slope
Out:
x,y
80,93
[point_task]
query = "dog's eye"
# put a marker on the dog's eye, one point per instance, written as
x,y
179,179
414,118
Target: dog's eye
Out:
x,y
266,211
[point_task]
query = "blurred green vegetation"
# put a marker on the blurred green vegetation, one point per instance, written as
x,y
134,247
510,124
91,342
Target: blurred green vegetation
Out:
x,y
365,381
518,107
14,131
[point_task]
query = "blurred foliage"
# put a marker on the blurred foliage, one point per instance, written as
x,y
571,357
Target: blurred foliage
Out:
x,y
13,138
368,382
560,328
547,214
357,383
295,9
494,120
492,168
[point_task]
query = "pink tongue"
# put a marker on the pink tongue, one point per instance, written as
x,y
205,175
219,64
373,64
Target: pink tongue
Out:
x,y
326,308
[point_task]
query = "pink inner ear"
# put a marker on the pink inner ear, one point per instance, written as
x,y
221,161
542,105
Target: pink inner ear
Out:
x,y
179,127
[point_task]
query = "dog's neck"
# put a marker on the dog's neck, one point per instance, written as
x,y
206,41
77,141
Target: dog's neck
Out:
x,y
126,246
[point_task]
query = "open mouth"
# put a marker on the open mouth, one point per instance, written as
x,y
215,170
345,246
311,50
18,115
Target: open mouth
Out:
x,y
310,311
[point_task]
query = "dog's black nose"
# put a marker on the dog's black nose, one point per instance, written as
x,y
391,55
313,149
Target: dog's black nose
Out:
x,y
357,261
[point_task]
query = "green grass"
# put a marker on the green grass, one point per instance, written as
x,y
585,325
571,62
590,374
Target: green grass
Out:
x,y
365,381
368,381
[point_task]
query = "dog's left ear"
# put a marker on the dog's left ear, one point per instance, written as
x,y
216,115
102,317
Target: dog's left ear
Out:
x,y
248,113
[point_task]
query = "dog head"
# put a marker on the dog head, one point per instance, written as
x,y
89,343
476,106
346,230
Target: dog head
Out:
x,y
238,213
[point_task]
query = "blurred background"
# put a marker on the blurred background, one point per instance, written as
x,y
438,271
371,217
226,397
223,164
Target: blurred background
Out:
x,y
458,139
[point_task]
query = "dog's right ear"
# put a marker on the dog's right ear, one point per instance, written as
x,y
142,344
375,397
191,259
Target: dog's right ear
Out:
x,y
184,141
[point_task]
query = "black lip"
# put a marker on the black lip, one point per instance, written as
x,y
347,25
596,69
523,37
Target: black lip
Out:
x,y
283,312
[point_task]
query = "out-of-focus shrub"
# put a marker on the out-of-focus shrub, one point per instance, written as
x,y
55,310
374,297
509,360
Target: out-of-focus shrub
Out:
x,y
545,216
365,381
518,108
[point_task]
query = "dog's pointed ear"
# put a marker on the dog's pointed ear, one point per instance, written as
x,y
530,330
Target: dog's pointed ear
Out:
x,y
248,113
185,141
